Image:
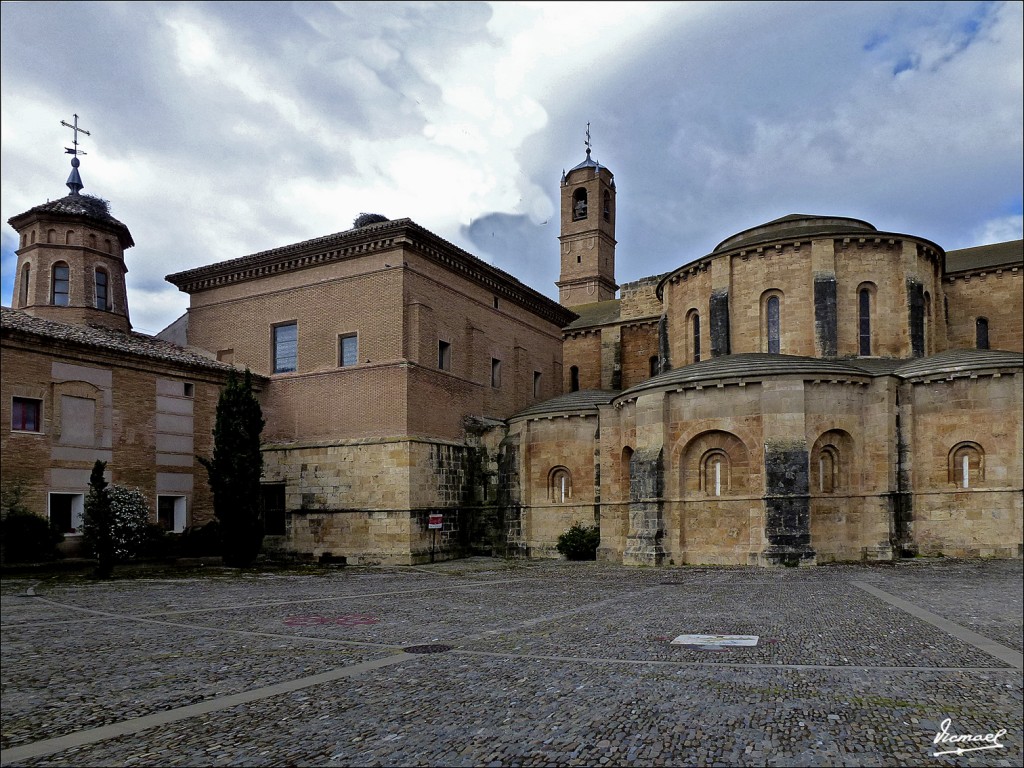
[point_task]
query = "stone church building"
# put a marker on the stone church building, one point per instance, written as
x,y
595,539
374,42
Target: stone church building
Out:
x,y
814,389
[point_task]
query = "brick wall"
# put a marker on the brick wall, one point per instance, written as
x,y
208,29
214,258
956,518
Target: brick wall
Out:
x,y
125,391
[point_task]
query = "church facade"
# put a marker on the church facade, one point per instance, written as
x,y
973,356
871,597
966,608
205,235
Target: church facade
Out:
x,y
814,389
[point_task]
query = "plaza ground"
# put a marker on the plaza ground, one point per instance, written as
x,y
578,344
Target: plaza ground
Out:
x,y
493,662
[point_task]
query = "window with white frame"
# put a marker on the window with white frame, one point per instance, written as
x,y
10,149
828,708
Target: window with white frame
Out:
x,y
171,513
66,511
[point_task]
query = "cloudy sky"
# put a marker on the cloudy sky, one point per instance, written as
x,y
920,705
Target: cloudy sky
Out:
x,y
221,129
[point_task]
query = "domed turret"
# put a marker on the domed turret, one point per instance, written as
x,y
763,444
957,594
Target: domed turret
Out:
x,y
71,258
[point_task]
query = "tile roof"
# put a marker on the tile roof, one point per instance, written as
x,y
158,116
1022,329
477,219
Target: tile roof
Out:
x,y
87,206
960,361
137,344
571,402
361,240
598,313
981,256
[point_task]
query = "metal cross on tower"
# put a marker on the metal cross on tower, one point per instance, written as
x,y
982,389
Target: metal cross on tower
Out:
x,y
76,151
587,142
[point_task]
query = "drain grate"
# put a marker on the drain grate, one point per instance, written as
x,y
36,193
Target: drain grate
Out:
x,y
427,648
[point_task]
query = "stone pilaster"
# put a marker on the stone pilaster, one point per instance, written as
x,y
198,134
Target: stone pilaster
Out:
x,y
645,541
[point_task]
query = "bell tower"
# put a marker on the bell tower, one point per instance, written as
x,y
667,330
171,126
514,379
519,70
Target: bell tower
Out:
x,y
587,239
71,257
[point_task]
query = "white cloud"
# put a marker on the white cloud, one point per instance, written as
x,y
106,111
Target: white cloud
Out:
x,y
223,129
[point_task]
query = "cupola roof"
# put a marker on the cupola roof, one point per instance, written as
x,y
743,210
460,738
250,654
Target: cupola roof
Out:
x,y
796,226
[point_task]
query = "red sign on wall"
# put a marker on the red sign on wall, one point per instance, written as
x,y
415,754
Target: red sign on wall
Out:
x,y
435,521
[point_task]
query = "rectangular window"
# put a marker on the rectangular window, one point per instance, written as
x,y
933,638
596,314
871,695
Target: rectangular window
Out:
x,y
170,513
348,350
272,501
286,347
26,415
495,372
536,383
444,355
61,286
188,389
66,511
102,301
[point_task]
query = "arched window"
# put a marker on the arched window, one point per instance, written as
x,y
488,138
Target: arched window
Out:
x,y
828,469
69,236
33,236
92,240
559,485
23,292
772,324
927,322
981,333
579,204
51,236
102,290
607,205
966,465
695,335
864,320
108,246
574,378
60,290
715,473
653,362
626,472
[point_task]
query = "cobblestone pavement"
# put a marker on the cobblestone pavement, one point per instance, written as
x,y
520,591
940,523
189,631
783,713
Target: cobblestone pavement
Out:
x,y
488,662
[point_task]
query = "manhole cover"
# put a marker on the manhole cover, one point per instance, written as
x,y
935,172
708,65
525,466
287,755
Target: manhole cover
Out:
x,y
427,648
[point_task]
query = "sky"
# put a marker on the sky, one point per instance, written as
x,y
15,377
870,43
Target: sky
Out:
x,y
221,129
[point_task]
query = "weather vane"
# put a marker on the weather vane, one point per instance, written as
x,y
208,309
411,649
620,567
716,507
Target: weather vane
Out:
x,y
76,151
587,142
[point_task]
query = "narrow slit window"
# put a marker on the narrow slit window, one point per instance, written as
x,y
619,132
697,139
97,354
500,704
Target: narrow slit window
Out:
x,y
864,321
444,355
772,310
981,333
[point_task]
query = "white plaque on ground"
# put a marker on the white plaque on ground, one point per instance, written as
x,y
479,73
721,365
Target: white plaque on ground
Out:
x,y
716,641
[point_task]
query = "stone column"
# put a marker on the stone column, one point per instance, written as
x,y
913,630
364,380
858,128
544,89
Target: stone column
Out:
x,y
823,265
645,539
644,543
787,518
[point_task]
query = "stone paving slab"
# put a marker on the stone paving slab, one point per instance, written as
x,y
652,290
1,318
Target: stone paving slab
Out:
x,y
549,664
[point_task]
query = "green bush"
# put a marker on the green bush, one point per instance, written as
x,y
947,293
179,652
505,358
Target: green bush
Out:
x,y
28,538
579,543
200,541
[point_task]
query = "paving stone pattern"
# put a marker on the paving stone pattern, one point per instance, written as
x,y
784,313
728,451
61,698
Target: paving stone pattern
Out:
x,y
552,663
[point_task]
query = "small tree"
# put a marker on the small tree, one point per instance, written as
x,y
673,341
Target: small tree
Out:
x,y
97,523
235,470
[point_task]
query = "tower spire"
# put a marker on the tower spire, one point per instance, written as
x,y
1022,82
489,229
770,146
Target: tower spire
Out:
x,y
74,182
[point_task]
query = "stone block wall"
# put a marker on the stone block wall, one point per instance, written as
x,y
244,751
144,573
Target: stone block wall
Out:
x,y
996,295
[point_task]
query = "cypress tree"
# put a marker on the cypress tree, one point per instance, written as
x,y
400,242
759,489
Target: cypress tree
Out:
x,y
100,520
235,469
